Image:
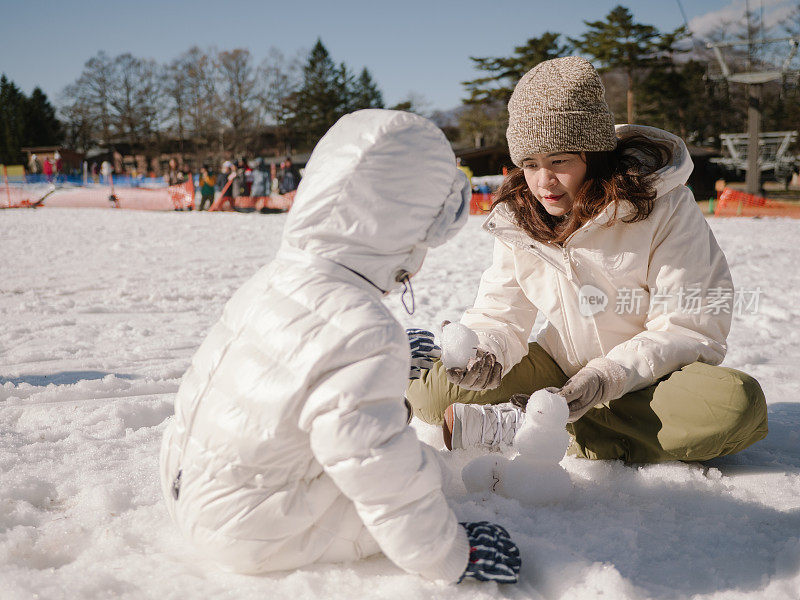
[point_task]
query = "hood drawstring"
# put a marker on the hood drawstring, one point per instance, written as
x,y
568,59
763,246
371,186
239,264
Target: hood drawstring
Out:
x,y
404,277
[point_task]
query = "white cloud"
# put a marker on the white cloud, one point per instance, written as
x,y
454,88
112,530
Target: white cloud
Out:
x,y
775,14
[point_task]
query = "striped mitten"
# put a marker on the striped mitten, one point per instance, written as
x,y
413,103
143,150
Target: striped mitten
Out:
x,y
492,554
423,351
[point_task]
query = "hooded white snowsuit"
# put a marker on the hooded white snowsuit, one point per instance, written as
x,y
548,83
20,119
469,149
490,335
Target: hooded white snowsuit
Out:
x,y
289,444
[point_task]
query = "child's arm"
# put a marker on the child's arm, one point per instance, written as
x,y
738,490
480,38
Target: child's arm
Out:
x,y
356,420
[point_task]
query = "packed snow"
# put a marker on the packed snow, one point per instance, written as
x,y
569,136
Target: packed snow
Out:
x,y
459,345
534,476
101,311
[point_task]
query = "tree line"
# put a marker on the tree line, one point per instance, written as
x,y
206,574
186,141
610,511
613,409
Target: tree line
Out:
x,y
214,102
25,121
665,79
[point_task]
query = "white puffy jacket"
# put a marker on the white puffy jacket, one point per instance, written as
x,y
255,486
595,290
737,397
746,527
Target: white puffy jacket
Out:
x,y
289,444
670,264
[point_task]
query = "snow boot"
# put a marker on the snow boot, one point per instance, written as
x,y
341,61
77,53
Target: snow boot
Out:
x,y
483,425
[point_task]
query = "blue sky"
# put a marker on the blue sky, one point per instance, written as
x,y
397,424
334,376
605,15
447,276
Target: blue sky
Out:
x,y
410,46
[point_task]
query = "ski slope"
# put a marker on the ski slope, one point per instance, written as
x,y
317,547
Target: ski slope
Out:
x,y
101,311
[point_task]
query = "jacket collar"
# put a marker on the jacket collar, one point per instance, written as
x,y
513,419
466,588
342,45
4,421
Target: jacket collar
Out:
x,y
326,266
501,222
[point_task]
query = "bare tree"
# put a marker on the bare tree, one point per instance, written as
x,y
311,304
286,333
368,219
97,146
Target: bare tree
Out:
x,y
134,97
279,78
175,84
203,106
237,74
88,99
79,120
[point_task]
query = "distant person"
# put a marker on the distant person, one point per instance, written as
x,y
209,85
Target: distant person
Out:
x,y
172,175
105,171
207,187
246,174
290,178
47,169
34,166
58,164
225,183
187,177
261,180
222,176
273,176
237,180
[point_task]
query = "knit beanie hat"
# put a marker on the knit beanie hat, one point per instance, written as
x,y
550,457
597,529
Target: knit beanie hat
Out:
x,y
559,106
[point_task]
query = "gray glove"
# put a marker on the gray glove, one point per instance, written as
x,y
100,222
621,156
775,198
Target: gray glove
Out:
x,y
599,382
482,373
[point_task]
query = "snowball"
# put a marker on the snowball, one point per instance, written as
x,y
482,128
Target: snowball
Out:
x,y
483,473
544,444
533,482
546,407
459,344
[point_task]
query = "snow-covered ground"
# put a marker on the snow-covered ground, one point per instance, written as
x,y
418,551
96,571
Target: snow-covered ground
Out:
x,y
101,311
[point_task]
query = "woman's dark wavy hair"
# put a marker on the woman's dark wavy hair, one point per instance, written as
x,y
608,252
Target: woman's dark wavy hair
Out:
x,y
625,173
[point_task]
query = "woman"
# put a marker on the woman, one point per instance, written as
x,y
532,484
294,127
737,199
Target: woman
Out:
x,y
596,230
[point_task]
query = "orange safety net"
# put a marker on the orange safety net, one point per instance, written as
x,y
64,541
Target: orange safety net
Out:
x,y
734,203
176,197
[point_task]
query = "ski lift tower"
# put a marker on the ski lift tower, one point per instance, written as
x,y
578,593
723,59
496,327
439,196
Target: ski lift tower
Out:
x,y
754,80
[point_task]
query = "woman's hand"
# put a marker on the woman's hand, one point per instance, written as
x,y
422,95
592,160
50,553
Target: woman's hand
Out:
x,y
598,382
482,373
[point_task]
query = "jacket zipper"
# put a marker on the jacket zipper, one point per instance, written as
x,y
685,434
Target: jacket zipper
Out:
x,y
571,351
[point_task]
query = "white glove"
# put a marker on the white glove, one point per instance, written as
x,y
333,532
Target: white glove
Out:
x,y
599,382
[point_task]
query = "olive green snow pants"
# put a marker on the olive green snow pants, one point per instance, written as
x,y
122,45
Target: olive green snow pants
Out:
x,y
697,413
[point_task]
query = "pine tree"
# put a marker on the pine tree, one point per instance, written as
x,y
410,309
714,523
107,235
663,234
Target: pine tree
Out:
x,y
366,93
42,128
675,99
620,43
345,86
12,121
504,72
318,102
25,121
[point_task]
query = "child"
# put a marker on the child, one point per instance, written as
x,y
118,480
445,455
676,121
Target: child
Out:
x,y
290,444
596,230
